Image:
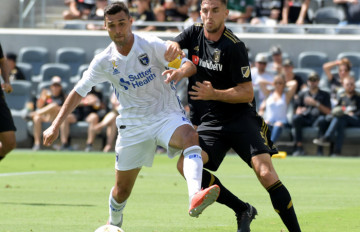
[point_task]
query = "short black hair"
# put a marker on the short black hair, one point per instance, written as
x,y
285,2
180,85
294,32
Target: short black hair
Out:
x,y
11,56
116,7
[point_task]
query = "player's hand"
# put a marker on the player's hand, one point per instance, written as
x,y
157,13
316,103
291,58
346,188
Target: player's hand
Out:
x,y
172,75
173,51
202,91
7,87
50,135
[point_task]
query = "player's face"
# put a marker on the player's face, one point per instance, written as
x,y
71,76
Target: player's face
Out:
x,y
119,27
213,14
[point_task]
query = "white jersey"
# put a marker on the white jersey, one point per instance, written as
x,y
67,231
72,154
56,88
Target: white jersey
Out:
x,y
143,95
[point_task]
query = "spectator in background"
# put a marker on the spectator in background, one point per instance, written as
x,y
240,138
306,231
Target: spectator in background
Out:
x,y
240,11
109,122
91,110
295,12
335,81
144,13
274,108
352,10
15,72
267,12
194,16
259,73
48,105
275,66
310,109
7,126
288,70
160,16
97,13
78,9
175,10
345,114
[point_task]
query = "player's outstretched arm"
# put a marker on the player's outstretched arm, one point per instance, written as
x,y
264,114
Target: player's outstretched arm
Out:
x,y
186,70
51,133
173,50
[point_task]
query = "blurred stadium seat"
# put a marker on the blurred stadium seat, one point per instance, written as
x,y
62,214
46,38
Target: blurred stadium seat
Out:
x,y
26,69
19,97
35,56
329,15
72,56
312,60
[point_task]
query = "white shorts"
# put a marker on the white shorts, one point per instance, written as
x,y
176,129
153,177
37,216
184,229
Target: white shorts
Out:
x,y
136,144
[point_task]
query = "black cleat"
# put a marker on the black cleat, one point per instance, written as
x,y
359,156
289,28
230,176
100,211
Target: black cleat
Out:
x,y
244,218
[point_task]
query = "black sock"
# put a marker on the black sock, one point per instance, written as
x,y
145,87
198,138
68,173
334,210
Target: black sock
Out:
x,y
282,203
2,157
225,196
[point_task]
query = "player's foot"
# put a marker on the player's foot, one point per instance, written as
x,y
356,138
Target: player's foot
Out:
x,y
203,199
119,224
245,217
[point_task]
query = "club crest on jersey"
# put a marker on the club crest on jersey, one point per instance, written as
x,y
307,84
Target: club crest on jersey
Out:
x,y
144,59
245,71
216,55
196,48
115,69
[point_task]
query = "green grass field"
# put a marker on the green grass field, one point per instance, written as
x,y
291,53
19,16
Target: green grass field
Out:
x,y
57,191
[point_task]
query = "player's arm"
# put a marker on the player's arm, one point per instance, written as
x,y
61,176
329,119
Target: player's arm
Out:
x,y
241,93
50,134
187,69
173,49
5,74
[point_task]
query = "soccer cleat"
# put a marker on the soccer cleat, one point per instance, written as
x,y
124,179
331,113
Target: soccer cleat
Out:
x,y
203,199
245,217
119,224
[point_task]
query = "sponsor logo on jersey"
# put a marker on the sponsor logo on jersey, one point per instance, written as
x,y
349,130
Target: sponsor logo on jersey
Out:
x,y
195,59
115,70
216,55
206,63
124,83
142,78
144,59
245,71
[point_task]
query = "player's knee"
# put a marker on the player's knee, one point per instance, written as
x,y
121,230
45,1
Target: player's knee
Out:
x,y
192,137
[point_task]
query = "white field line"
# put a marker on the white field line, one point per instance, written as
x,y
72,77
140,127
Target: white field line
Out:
x,y
26,173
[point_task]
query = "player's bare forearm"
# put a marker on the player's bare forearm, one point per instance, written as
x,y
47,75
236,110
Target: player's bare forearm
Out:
x,y
242,93
4,70
188,69
71,102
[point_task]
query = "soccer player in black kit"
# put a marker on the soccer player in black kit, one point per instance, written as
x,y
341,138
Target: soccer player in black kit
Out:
x,y
222,105
7,127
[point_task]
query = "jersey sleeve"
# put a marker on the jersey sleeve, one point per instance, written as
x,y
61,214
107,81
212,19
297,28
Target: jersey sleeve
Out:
x,y
239,63
184,38
91,77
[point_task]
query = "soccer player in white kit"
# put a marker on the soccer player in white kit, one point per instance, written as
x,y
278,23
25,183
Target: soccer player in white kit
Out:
x,y
150,113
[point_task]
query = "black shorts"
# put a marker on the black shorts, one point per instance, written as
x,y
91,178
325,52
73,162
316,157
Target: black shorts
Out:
x,y
248,136
6,120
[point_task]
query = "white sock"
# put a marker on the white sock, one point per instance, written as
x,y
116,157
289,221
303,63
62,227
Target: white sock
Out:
x,y
193,166
115,210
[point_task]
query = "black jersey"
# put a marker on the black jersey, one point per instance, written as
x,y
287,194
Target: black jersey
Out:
x,y
224,63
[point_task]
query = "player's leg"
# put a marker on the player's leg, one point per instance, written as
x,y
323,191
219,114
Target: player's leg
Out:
x,y
65,131
258,135
7,142
280,196
119,194
177,134
186,138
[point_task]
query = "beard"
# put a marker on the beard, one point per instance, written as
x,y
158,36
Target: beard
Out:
x,y
213,29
